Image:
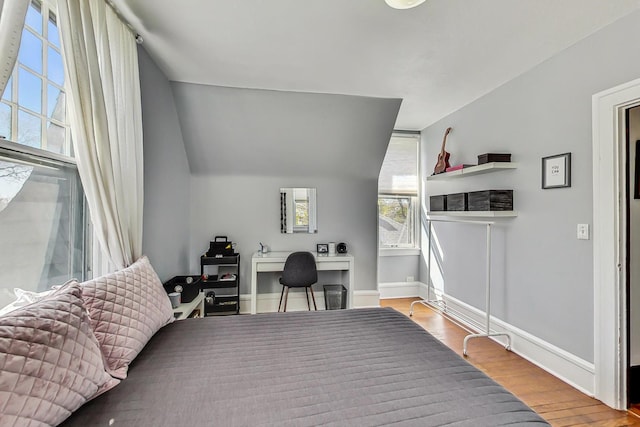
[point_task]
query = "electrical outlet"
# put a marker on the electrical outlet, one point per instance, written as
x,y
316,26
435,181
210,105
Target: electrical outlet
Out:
x,y
410,279
583,231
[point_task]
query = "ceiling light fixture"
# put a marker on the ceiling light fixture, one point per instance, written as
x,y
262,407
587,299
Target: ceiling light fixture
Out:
x,y
404,4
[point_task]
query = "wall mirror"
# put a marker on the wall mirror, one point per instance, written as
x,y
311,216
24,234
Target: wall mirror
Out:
x,y
298,210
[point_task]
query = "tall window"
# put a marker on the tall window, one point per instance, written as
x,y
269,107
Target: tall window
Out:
x,y
33,107
398,193
42,218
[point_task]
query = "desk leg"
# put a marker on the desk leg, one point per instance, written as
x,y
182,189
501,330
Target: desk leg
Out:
x,y
254,289
352,284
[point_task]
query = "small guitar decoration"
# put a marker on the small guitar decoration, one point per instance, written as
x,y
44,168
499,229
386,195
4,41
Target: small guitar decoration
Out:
x,y
443,157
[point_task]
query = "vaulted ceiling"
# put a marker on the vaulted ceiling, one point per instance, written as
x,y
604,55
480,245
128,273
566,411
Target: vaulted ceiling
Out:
x,y
437,57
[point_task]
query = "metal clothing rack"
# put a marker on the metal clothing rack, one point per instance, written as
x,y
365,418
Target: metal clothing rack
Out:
x,y
435,303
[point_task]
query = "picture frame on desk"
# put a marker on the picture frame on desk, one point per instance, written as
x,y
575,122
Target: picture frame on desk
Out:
x,y
322,248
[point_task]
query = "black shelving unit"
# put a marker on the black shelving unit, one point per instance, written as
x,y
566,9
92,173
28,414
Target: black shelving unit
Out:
x,y
227,291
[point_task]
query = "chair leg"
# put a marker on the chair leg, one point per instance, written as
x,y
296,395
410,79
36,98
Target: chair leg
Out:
x,y
306,292
281,295
315,307
286,297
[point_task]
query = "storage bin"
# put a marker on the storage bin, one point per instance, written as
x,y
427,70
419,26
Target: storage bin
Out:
x,y
457,202
189,290
335,297
438,203
491,200
494,157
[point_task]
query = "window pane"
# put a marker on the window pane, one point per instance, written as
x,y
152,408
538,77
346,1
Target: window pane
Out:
x,y
56,104
52,32
29,91
5,121
8,90
399,172
30,53
55,138
395,221
29,130
34,17
41,225
55,72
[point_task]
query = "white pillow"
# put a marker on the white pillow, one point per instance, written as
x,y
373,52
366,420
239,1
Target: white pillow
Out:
x,y
6,299
24,297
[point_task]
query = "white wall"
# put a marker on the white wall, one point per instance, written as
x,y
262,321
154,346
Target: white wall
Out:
x,y
543,274
166,176
634,265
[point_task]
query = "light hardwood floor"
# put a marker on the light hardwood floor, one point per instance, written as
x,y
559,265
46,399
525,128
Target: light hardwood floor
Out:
x,y
557,402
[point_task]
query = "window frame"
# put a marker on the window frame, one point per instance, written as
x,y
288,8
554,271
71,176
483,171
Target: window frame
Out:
x,y
401,249
48,13
409,249
20,153
17,152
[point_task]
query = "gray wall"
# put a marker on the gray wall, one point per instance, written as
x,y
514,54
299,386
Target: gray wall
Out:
x,y
247,209
396,268
243,145
166,176
543,275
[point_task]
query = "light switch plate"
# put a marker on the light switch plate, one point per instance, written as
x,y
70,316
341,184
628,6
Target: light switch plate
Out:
x,y
583,231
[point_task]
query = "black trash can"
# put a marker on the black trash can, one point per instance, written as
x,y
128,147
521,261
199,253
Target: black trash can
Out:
x,y
335,297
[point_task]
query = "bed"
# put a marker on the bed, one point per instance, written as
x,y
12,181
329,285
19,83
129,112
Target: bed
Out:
x,y
360,367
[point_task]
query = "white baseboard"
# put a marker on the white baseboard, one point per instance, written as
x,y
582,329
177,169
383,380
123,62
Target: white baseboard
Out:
x,y
568,367
362,299
297,301
392,290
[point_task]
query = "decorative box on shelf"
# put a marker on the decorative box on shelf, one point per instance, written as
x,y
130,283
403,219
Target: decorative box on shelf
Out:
x,y
457,202
490,200
493,157
458,167
438,203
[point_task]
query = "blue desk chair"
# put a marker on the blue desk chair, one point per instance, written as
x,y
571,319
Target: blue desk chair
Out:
x,y
299,272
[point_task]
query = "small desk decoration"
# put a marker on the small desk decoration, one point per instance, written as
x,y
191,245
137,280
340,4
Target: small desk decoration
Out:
x,y
322,248
556,171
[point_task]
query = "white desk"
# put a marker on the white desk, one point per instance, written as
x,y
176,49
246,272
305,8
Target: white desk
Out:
x,y
274,262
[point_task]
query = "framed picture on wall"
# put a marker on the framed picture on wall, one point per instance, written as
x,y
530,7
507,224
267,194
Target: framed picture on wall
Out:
x,y
556,171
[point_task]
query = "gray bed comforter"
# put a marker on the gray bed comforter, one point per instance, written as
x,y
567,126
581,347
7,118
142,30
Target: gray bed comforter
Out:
x,y
362,367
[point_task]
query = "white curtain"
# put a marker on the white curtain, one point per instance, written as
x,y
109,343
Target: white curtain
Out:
x,y
102,80
12,15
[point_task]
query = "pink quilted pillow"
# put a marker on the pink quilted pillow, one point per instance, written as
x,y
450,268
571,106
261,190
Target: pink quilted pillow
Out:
x,y
50,361
126,308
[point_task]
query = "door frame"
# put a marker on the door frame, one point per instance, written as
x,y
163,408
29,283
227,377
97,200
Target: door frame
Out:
x,y
609,241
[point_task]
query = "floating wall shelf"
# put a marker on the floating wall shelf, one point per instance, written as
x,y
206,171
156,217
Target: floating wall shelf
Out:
x,y
474,170
476,214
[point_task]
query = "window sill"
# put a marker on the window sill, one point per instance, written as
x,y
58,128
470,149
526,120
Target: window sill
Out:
x,y
398,252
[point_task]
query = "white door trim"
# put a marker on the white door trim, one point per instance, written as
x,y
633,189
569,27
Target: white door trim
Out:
x,y
610,338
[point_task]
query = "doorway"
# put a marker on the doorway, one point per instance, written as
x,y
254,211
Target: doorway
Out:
x,y
632,232
611,352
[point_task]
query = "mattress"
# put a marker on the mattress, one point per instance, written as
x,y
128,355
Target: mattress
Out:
x,y
360,367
